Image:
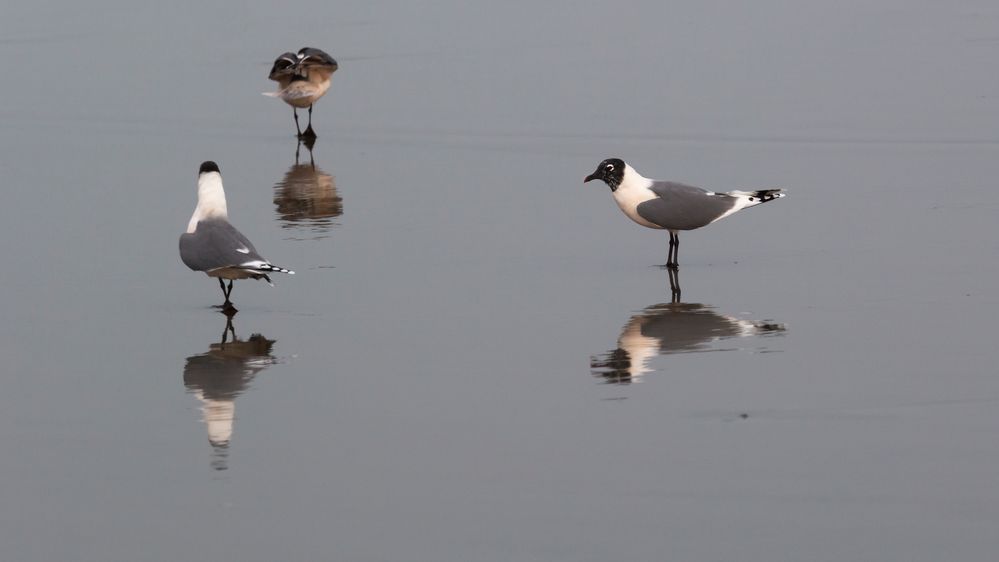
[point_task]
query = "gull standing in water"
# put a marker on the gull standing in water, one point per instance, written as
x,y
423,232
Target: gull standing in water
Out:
x,y
672,206
303,77
213,245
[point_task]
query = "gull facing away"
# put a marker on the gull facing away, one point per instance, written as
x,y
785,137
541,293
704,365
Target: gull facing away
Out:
x,y
213,245
304,78
672,206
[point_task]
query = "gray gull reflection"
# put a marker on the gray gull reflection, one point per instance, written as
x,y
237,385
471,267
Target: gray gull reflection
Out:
x,y
217,377
307,196
668,328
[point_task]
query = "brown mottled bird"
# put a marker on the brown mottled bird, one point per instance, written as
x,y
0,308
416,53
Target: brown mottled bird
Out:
x,y
304,78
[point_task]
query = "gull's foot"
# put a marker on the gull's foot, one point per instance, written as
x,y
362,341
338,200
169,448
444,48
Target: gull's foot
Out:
x,y
227,308
309,134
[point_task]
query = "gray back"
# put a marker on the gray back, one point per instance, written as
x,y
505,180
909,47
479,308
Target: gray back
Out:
x,y
213,245
684,207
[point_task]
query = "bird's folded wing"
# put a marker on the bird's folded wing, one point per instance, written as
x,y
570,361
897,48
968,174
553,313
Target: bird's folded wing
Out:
x,y
684,207
215,244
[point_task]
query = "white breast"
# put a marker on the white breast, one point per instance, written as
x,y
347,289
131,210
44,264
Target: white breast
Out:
x,y
634,189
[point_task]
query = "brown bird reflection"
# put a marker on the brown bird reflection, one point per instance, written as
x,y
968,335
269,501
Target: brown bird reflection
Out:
x,y
307,196
664,329
217,377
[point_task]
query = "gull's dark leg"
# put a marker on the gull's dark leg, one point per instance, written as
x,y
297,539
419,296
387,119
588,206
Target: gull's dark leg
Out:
x,y
674,285
671,261
669,257
227,305
309,133
298,147
676,250
294,111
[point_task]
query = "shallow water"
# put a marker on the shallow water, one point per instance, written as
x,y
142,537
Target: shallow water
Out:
x,y
432,384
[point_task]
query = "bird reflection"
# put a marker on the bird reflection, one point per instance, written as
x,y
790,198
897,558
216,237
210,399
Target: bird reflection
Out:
x,y
668,328
217,377
307,196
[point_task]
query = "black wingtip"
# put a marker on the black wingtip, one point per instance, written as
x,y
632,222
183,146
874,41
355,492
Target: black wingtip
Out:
x,y
208,166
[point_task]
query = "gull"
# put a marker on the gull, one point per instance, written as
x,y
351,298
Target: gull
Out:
x,y
672,206
213,245
303,77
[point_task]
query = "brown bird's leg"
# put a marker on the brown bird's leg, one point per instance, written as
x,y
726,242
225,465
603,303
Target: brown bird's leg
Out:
x,y
294,111
309,133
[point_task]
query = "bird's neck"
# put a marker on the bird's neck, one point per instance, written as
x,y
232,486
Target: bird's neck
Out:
x,y
631,180
211,200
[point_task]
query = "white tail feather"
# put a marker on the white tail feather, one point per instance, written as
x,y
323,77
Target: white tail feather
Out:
x,y
746,199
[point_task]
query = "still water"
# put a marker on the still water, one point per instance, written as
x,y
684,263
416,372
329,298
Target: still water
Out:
x,y
479,357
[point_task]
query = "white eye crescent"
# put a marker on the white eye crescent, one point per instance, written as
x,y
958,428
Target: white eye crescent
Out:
x,y
609,167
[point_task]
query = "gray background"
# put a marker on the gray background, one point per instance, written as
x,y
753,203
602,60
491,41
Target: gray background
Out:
x,y
429,394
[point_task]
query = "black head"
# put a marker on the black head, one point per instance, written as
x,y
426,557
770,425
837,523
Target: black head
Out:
x,y
208,166
611,171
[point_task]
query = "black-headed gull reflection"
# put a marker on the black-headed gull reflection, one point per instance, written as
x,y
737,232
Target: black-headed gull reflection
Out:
x,y
217,377
668,328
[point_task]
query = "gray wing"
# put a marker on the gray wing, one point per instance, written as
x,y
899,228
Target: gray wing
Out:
x,y
215,244
684,207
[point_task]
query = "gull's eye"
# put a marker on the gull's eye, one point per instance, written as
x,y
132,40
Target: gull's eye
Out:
x,y
609,167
